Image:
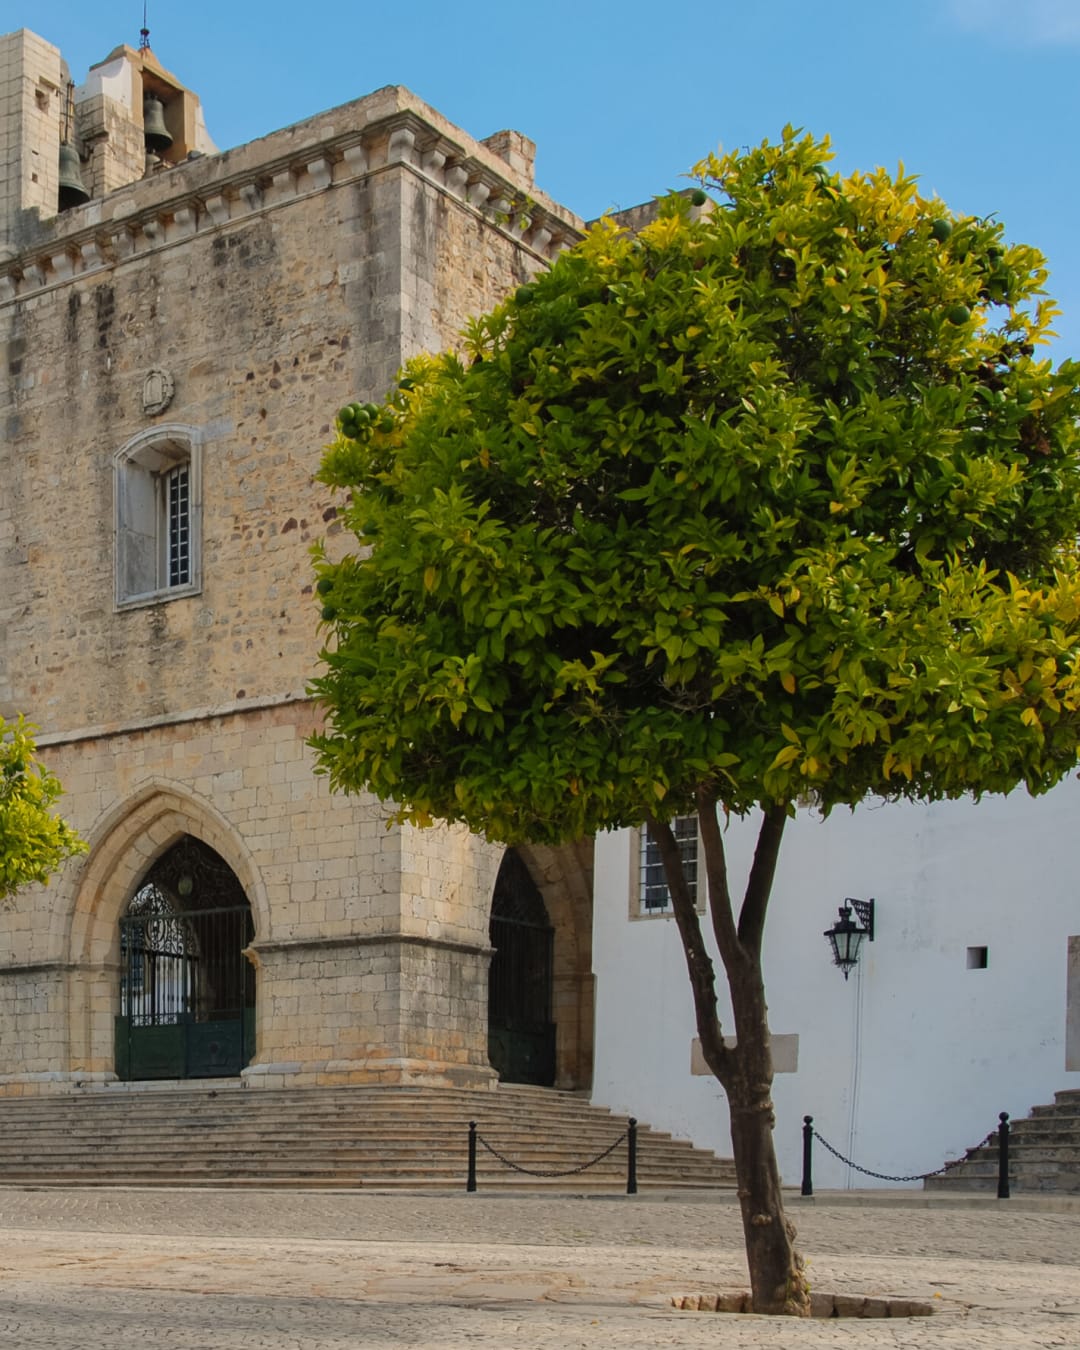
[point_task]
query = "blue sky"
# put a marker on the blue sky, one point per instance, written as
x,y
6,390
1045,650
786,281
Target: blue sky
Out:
x,y
980,98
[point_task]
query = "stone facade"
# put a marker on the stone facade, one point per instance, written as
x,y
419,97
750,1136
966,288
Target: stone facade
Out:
x,y
213,313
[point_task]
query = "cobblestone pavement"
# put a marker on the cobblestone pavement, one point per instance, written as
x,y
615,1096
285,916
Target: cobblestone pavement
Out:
x,y
225,1270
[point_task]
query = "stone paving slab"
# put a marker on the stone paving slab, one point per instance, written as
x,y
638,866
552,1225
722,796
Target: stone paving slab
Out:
x,y
304,1271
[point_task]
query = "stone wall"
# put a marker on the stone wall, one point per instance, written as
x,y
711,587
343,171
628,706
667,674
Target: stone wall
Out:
x,y
269,308
268,286
370,943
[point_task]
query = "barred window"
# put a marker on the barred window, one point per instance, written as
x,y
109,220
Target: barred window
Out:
x,y
157,477
653,894
177,484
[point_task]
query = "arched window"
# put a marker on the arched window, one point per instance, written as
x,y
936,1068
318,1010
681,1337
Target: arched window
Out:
x,y
158,493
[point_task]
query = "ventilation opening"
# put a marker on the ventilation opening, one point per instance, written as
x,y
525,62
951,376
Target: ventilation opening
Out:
x,y
977,958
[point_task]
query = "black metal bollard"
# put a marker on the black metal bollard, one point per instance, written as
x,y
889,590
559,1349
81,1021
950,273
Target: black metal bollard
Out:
x,y
808,1155
1003,1156
631,1157
470,1184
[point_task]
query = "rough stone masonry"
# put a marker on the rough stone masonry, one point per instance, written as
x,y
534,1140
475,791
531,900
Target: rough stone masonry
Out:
x,y
198,321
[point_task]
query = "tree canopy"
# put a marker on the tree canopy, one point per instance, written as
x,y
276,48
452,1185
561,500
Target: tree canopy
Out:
x,y
34,841
773,502
776,499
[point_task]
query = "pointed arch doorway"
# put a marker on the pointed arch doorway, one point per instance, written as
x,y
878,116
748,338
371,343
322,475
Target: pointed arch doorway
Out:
x,y
187,990
521,1029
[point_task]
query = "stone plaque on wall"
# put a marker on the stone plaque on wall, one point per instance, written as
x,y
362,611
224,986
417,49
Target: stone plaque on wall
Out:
x,y
785,1053
157,390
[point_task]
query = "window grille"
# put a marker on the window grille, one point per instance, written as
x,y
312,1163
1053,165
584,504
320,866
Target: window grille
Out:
x,y
178,493
653,888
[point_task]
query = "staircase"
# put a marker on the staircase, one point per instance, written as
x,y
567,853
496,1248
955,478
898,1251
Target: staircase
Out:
x,y
1044,1154
223,1134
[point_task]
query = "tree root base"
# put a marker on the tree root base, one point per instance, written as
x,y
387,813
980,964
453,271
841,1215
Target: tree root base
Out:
x,y
821,1305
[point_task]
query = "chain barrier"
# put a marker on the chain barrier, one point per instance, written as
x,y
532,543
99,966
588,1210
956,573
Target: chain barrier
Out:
x,y
570,1171
914,1176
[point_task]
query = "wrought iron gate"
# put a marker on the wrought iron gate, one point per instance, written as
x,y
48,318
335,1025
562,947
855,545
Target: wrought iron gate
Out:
x,y
521,1034
187,992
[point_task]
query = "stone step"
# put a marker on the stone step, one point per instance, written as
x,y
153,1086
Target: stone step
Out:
x,y
1023,1143
25,1110
346,1136
1024,1183
336,1182
353,1163
454,1179
1019,1164
383,1156
410,1127
417,1170
569,1130
1044,1154
1042,1138
285,1133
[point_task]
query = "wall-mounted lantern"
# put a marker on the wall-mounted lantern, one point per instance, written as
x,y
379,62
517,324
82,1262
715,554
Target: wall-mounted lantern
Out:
x,y
846,936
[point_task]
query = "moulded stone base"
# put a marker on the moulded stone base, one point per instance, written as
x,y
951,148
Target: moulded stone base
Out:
x,y
344,1073
52,1082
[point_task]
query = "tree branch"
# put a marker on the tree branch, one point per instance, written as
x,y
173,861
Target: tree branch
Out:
x,y
719,891
698,962
759,886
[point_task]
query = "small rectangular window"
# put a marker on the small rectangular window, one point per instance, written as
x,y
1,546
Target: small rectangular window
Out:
x,y
978,958
158,509
653,892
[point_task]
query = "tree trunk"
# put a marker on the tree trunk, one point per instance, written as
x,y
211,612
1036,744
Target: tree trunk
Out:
x,y
777,1282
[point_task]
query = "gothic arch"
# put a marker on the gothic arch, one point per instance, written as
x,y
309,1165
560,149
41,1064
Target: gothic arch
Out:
x,y
564,877
123,846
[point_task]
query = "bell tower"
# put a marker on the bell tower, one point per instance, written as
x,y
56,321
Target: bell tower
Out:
x,y
134,118
131,117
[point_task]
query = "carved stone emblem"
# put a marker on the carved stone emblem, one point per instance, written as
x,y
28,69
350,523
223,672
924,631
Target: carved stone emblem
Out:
x,y
157,391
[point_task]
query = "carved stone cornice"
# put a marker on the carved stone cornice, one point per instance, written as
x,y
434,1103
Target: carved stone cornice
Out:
x,y
329,151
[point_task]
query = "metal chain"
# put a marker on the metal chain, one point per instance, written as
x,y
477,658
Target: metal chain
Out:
x,y
915,1176
570,1171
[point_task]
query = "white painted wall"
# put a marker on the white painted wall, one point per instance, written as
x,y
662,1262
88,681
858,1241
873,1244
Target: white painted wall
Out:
x,y
909,1061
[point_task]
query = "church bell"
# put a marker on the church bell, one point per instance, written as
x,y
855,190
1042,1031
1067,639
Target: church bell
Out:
x,y
72,189
155,131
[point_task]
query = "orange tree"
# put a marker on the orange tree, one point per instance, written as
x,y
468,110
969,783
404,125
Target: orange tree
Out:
x,y
33,840
771,505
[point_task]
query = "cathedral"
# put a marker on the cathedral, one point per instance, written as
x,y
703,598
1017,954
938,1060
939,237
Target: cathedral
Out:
x,y
177,328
